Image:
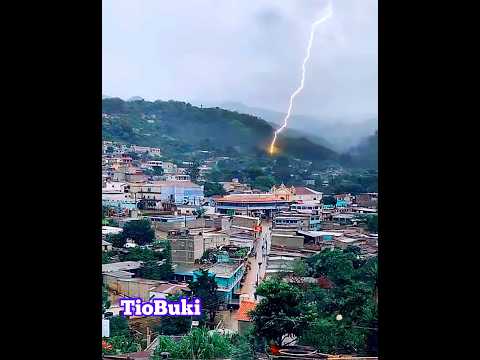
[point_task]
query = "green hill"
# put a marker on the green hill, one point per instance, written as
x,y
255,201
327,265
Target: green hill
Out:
x,y
365,154
182,127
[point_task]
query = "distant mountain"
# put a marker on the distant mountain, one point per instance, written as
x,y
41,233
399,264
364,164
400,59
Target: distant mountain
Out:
x,y
365,154
183,126
342,132
105,96
135,98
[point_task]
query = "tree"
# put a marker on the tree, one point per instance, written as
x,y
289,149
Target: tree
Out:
x,y
150,269
157,171
174,325
372,223
139,231
328,335
264,183
336,265
107,257
282,169
119,326
253,172
198,344
329,200
194,170
120,345
200,212
213,188
281,312
353,296
117,240
105,300
205,288
167,266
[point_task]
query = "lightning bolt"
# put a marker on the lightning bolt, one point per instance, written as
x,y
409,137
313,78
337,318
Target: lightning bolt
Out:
x,y
328,14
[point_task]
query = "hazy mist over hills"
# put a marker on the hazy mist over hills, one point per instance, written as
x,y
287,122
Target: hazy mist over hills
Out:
x,y
338,133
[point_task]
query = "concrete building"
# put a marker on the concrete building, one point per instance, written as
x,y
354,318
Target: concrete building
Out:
x,y
320,237
227,277
124,266
236,187
165,223
346,198
296,221
110,230
146,149
243,221
116,190
106,246
288,241
163,290
186,248
302,193
367,200
306,207
177,192
248,204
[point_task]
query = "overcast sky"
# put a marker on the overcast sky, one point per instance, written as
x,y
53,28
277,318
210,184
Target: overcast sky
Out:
x,y
247,51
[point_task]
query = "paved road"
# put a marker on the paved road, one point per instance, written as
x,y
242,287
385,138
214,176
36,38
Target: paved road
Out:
x,y
256,272
258,263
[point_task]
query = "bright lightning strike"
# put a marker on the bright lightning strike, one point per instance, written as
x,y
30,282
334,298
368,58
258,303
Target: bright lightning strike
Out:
x,y
328,14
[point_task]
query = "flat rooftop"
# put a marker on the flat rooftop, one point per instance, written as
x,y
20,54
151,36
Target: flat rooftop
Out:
x,y
319,233
250,198
224,269
123,265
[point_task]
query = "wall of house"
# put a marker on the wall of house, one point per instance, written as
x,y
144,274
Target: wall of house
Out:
x,y
213,240
245,222
291,241
167,226
134,287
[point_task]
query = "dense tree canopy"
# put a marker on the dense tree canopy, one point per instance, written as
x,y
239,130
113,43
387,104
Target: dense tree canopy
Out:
x,y
281,311
139,231
213,188
205,288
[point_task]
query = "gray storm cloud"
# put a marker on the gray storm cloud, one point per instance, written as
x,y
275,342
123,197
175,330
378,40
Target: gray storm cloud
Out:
x,y
244,51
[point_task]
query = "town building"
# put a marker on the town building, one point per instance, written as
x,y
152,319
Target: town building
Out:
x,y
163,290
146,149
344,199
367,200
296,221
286,240
111,230
236,187
227,276
176,192
242,316
186,247
106,246
305,194
250,204
306,207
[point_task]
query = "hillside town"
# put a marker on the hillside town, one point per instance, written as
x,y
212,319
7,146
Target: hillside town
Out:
x,y
165,235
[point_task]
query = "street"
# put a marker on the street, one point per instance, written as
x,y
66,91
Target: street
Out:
x,y
256,273
258,264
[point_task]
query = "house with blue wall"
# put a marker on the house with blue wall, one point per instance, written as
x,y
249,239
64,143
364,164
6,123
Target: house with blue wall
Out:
x,y
227,277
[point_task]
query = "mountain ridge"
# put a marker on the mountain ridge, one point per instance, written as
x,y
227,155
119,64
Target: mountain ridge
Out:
x,y
187,127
